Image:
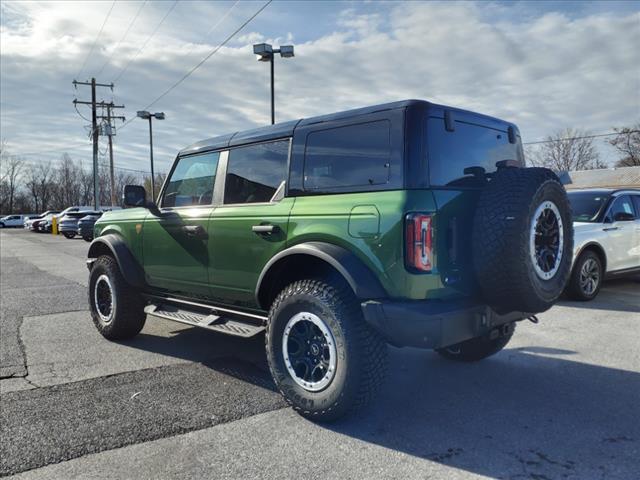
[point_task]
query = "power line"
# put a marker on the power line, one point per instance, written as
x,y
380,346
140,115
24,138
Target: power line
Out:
x,y
215,25
582,137
146,41
122,39
96,40
199,64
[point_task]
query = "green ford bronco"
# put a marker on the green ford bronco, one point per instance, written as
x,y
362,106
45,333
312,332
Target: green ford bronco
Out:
x,y
408,223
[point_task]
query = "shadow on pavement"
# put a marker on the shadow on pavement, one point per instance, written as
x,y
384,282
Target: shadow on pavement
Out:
x,y
622,295
546,417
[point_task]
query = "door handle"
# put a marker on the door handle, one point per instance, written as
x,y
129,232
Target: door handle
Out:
x,y
195,231
264,229
610,229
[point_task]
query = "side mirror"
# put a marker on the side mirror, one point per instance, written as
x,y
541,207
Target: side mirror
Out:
x,y
623,217
134,196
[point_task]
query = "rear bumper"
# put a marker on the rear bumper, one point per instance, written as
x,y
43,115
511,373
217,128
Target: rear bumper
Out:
x,y
432,323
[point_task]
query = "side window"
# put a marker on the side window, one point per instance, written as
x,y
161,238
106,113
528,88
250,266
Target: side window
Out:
x,y
255,172
620,204
191,182
350,156
636,200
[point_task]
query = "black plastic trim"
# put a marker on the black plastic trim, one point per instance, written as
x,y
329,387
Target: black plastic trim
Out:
x,y
360,278
433,323
131,270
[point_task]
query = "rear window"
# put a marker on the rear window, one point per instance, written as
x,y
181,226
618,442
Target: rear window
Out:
x,y
469,145
350,156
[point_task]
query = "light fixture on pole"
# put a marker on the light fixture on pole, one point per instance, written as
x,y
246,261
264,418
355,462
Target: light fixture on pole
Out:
x,y
266,53
148,116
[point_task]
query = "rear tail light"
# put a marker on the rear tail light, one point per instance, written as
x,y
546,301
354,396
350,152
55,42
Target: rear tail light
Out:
x,y
418,238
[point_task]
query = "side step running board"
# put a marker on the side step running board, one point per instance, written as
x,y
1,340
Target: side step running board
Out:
x,y
209,321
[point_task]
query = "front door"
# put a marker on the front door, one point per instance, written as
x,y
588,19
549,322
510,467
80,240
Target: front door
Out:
x,y
621,241
175,239
250,226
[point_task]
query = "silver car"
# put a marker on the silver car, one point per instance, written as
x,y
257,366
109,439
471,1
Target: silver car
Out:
x,y
606,226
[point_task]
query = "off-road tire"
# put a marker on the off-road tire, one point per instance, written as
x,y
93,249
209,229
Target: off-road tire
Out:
x,y
503,266
476,349
574,289
69,235
127,317
361,352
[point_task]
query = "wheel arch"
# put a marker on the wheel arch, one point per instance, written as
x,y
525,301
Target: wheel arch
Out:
x,y
598,250
115,246
295,263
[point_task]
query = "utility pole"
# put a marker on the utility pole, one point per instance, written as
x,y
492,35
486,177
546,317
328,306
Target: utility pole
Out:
x,y
111,179
94,131
110,132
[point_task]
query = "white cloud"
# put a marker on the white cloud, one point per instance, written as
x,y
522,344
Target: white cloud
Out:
x,y
544,70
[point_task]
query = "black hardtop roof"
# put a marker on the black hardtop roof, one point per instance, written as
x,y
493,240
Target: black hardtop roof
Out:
x,y
603,190
285,129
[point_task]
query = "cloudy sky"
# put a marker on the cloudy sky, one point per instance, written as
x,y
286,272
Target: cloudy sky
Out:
x,y
542,65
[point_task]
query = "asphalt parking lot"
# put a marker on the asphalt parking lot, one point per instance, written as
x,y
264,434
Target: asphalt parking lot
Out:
x,y
561,402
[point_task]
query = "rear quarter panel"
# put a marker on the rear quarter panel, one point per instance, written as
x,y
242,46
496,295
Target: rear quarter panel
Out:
x,y
348,220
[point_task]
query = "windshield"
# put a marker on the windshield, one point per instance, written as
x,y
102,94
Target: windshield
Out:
x,y
587,205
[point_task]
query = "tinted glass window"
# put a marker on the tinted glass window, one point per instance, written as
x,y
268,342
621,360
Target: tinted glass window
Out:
x,y
469,145
636,200
354,155
255,172
620,204
586,205
191,181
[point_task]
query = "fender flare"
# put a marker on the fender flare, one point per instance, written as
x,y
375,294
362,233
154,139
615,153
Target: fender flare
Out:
x,y
131,270
360,278
593,245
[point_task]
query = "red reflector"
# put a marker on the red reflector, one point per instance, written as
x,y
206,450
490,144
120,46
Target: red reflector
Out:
x,y
418,238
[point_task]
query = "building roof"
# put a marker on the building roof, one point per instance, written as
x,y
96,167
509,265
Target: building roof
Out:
x,y
622,177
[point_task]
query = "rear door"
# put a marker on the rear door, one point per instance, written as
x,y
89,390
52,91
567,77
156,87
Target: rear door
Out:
x,y
250,225
175,239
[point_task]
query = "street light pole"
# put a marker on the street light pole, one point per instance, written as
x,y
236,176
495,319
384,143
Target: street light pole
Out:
x,y
266,53
273,93
153,182
150,116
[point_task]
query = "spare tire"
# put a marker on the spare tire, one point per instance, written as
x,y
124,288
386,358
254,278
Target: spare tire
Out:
x,y
522,240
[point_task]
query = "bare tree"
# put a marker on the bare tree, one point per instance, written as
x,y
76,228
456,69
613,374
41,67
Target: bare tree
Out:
x,y
566,150
123,178
40,185
10,170
158,181
67,181
627,143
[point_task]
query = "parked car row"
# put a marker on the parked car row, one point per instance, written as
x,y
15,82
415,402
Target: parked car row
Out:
x,y
72,221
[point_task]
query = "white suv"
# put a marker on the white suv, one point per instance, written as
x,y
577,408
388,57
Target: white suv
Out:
x,y
606,226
